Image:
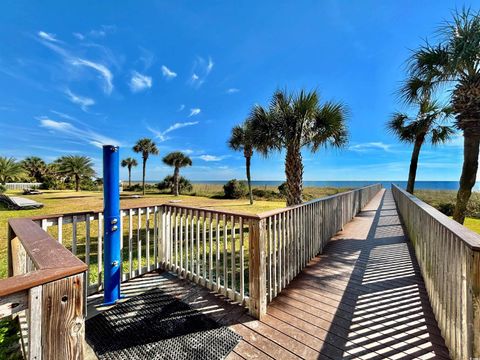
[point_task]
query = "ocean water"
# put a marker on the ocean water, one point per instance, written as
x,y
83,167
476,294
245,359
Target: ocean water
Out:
x,y
420,185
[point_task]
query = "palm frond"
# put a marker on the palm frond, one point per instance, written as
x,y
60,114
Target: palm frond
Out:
x,y
441,134
329,127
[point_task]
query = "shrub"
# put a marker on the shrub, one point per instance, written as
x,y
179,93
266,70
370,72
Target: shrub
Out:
x,y
3,188
265,194
282,189
134,187
446,208
235,189
184,185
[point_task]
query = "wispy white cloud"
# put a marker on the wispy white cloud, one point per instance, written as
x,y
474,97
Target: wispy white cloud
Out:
x,y
162,135
63,115
140,82
181,107
69,130
201,69
232,90
169,74
209,158
47,36
103,71
194,112
84,102
79,36
370,146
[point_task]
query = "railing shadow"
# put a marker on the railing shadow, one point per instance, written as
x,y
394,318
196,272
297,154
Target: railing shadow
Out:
x,y
384,310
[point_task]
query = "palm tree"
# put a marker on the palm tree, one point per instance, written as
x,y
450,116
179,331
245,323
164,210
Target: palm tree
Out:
x,y
10,170
454,60
241,139
129,163
146,147
427,124
35,167
177,160
76,167
295,121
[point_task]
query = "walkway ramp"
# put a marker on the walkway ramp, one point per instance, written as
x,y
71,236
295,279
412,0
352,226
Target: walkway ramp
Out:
x,y
362,298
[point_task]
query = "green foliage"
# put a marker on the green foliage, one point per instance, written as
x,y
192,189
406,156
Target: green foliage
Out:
x,y
3,189
146,147
266,194
235,189
34,167
9,340
10,170
446,207
168,183
282,189
177,160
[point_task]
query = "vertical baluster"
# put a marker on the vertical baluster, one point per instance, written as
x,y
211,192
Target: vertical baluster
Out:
x,y
155,237
147,234
242,262
280,253
181,269
60,229
225,273
100,251
171,239
192,247
217,252
87,248
122,214
74,235
187,271
198,245
139,241
233,257
284,251
210,257
269,256
204,249
162,237
130,243
175,238
275,256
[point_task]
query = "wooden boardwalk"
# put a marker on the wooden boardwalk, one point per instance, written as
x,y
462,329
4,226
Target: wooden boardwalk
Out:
x,y
362,298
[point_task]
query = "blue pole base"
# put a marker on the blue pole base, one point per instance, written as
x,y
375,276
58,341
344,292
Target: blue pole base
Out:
x,y
113,302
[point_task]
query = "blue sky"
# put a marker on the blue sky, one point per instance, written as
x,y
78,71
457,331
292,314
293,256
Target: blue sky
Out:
x,y
74,75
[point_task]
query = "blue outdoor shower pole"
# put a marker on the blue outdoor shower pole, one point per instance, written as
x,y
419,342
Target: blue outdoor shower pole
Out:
x,y
111,212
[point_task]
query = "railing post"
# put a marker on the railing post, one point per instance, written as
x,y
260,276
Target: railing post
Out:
x,y
475,304
257,268
63,323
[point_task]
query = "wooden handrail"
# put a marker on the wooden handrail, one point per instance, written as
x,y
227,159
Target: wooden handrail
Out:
x,y
469,237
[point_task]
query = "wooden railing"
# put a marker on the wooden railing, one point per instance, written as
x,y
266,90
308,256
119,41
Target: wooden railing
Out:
x,y
45,289
449,258
247,258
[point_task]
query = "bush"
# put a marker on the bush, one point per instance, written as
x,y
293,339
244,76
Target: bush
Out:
x,y
3,188
184,185
235,189
282,189
446,208
134,187
265,194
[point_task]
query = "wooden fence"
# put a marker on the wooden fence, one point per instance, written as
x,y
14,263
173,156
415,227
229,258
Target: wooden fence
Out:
x,y
22,186
45,288
449,258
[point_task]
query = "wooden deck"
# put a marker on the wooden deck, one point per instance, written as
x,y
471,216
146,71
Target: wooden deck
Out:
x,y
363,298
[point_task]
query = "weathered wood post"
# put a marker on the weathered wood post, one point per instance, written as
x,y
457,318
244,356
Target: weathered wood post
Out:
x,y
257,268
475,304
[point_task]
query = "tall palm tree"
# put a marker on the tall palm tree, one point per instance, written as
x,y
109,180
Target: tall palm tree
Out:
x,y
35,167
10,170
177,160
241,139
295,121
427,125
146,147
129,163
455,61
76,167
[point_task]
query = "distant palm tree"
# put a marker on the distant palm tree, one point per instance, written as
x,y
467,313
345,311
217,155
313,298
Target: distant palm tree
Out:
x,y
294,121
10,170
455,60
241,139
146,147
129,163
76,167
35,167
427,124
177,160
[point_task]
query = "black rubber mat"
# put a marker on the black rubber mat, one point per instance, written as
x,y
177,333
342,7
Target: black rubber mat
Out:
x,y
155,325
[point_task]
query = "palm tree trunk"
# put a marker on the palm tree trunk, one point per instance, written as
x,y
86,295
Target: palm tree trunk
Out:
x,y
143,176
176,180
129,176
77,183
412,174
294,174
471,144
249,180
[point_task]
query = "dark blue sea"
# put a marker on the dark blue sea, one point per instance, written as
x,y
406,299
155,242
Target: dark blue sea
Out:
x,y
424,185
